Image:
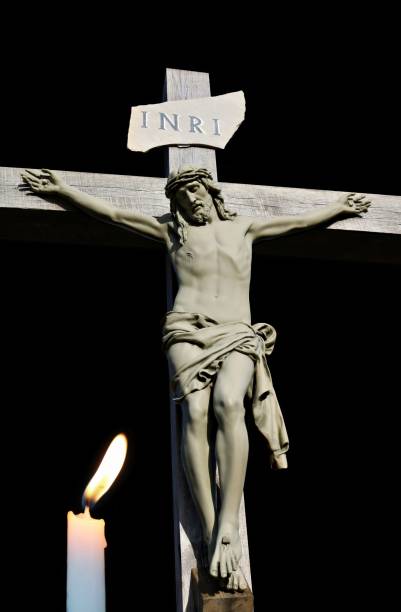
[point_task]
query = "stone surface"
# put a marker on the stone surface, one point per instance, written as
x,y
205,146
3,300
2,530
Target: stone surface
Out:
x,y
209,122
208,597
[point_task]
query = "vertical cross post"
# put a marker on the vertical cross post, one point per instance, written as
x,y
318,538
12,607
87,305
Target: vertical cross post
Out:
x,y
181,85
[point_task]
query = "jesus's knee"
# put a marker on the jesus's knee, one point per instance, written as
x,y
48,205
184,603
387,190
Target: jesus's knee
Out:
x,y
228,410
195,412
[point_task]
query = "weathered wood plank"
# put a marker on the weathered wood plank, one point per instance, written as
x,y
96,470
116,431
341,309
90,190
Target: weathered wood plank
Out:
x,y
187,85
181,84
146,194
265,201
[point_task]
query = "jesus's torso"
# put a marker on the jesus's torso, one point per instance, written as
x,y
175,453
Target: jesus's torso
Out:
x,y
213,270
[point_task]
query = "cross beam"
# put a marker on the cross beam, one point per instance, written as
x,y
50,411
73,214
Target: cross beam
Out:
x,y
29,218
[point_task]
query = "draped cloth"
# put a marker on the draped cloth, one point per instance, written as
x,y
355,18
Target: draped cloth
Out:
x,y
217,341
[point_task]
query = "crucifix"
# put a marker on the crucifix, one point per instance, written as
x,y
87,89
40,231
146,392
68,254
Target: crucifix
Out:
x,y
265,205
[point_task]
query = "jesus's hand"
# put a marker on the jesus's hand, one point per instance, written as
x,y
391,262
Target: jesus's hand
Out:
x,y
354,204
44,182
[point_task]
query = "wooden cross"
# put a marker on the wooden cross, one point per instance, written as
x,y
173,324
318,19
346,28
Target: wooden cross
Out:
x,y
34,219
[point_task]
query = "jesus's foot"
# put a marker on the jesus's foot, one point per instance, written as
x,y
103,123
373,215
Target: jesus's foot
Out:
x,y
226,555
236,581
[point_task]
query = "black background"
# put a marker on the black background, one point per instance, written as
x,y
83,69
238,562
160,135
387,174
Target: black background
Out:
x,y
321,113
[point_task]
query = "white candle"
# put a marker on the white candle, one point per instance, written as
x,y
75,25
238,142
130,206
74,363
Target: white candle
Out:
x,y
86,590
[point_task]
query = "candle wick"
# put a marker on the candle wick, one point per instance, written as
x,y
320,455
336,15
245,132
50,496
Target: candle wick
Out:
x,y
86,512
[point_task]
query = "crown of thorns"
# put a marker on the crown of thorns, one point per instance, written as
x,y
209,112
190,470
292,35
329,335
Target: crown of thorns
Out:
x,y
176,179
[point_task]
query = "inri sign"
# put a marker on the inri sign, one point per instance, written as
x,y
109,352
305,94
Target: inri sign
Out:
x,y
202,121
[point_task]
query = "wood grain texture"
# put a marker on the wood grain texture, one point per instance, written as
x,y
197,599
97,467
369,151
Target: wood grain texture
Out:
x,y
182,84
187,85
146,195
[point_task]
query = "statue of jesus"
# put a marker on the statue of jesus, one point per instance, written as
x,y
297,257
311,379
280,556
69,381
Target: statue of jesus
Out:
x,y
217,355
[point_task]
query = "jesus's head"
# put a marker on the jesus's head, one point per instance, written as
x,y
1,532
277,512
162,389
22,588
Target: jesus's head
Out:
x,y
192,194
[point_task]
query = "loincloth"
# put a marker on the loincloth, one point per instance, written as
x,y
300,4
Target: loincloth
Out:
x,y
218,341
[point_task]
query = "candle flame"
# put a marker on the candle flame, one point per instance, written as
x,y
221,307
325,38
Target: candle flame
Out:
x,y
107,471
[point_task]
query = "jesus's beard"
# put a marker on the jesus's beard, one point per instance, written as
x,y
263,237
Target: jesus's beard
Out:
x,y
201,215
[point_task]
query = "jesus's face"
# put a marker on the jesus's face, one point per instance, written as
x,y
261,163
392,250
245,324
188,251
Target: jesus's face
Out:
x,y
195,202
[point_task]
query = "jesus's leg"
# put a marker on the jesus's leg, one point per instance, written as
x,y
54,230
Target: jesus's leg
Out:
x,y
196,452
196,446
232,457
